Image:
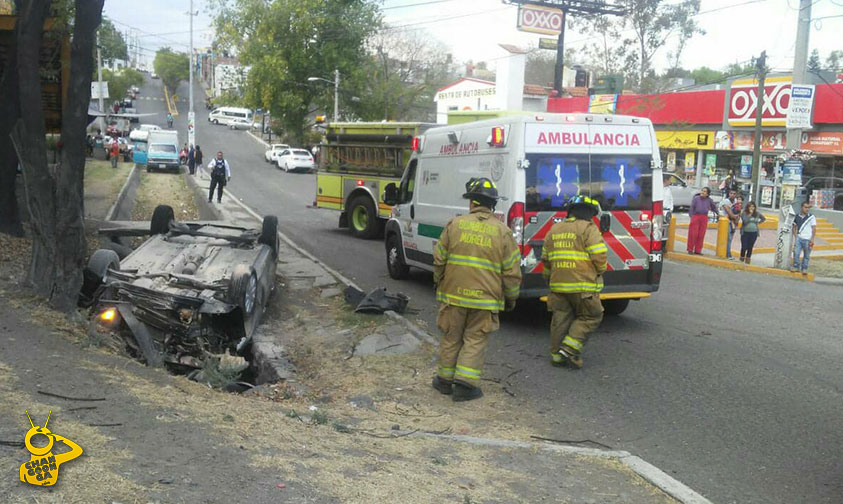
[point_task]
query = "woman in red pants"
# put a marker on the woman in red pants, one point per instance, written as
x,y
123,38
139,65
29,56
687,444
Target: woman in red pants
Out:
x,y
701,204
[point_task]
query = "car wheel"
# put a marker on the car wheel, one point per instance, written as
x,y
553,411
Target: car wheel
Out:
x,y
614,307
395,264
161,218
215,122
93,276
286,167
362,217
269,233
243,289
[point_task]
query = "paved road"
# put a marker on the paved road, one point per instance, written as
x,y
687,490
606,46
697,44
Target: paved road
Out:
x,y
728,381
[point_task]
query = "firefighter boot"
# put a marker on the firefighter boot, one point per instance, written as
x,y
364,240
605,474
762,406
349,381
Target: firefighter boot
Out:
x,y
466,392
443,386
569,359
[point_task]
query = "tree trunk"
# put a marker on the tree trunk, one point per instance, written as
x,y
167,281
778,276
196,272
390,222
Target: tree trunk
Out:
x,y
10,222
29,137
70,211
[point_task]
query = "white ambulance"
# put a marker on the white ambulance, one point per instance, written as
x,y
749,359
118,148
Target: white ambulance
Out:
x,y
538,162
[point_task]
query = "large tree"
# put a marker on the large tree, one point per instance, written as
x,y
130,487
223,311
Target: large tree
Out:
x,y
287,41
10,221
54,194
172,67
834,60
111,43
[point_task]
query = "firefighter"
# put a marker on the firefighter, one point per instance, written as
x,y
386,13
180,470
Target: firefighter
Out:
x,y
477,272
574,259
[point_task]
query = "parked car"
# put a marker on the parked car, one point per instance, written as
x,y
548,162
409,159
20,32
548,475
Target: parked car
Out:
x,y
835,183
135,89
682,192
190,291
149,127
295,160
153,75
271,155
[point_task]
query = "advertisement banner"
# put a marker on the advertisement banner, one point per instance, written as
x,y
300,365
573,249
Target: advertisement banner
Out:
x,y
602,104
191,128
549,43
685,139
743,140
767,195
792,172
95,90
746,167
671,161
742,102
710,163
801,106
538,19
690,162
823,142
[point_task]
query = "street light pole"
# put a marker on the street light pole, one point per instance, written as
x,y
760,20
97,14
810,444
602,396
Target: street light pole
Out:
x,y
336,95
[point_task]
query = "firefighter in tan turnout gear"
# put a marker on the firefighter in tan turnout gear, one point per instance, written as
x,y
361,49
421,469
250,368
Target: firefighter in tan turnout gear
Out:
x,y
574,258
477,271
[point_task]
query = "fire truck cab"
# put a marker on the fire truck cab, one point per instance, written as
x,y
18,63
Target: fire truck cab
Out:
x,y
538,162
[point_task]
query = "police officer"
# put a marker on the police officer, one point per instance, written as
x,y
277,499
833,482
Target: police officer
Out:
x,y
220,174
477,272
574,258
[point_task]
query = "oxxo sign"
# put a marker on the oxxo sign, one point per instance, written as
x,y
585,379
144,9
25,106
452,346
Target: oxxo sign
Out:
x,y
742,102
538,19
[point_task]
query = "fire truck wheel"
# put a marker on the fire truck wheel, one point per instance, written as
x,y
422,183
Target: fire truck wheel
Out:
x,y
614,307
395,264
161,217
362,217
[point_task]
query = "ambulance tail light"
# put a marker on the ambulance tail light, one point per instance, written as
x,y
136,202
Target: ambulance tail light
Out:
x,y
415,144
657,227
515,221
497,137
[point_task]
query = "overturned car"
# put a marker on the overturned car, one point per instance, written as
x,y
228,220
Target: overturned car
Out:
x,y
191,291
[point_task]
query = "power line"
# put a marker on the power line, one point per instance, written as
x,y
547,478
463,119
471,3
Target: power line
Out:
x,y
415,4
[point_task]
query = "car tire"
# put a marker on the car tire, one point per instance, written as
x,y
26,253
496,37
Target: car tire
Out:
x,y
362,217
216,122
286,167
243,289
93,276
614,307
269,233
395,264
122,251
161,217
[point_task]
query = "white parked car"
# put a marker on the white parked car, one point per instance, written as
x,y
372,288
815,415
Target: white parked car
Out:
x,y
149,127
295,159
271,155
238,123
135,89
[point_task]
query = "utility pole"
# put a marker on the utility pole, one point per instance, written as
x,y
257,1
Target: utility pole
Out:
x,y
800,62
99,79
761,65
560,58
336,95
191,118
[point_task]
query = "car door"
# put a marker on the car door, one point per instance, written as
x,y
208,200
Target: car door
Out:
x,y
681,191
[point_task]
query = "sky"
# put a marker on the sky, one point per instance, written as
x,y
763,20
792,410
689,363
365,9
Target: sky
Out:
x,y
736,30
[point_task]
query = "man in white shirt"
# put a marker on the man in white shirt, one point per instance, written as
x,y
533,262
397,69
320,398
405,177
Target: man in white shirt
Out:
x,y
804,232
220,175
725,208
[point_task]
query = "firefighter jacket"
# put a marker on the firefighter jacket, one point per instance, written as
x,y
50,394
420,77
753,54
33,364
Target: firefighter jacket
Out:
x,y
476,263
574,257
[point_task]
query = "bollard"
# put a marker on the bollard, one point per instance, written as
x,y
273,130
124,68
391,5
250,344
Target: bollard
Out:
x,y
722,236
671,235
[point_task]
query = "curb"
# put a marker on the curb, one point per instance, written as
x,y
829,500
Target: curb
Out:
x,y
205,208
828,280
112,212
639,466
173,110
261,141
737,266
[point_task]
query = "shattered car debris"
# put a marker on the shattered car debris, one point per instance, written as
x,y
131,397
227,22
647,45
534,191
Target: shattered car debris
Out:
x,y
189,293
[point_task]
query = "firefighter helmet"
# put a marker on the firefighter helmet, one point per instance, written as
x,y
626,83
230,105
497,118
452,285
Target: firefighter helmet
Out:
x,y
482,190
581,200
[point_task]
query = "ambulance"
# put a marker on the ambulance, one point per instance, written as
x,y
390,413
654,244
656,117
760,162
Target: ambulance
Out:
x,y
538,162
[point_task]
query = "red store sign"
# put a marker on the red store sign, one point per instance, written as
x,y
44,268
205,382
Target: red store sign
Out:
x,y
742,102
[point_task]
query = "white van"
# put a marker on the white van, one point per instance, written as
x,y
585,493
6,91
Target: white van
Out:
x,y
230,115
538,162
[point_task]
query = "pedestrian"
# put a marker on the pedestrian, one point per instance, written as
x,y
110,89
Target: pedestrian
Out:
x,y
725,209
751,220
220,175
701,205
477,272
574,257
169,120
804,232
728,183
115,152
197,156
191,161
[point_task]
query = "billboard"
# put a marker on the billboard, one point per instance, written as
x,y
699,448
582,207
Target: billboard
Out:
x,y
801,106
742,102
538,19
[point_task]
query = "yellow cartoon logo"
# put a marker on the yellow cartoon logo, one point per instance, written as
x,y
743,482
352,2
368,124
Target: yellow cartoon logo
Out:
x,y
43,466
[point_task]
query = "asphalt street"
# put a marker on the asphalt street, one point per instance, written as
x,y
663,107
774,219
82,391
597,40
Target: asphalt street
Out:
x,y
728,381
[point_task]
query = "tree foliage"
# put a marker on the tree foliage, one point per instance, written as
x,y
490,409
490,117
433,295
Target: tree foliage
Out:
x,y
111,43
287,41
834,61
119,81
172,67
814,64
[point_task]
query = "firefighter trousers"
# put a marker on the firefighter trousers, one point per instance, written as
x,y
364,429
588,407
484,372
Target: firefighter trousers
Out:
x,y
574,316
464,341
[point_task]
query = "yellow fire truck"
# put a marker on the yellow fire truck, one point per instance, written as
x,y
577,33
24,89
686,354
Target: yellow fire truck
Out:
x,y
356,161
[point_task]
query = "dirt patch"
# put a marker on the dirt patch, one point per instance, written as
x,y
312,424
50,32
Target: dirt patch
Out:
x,y
164,189
826,267
102,185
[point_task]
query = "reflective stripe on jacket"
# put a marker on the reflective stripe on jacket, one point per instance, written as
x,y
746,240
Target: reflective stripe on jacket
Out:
x,y
574,256
476,263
